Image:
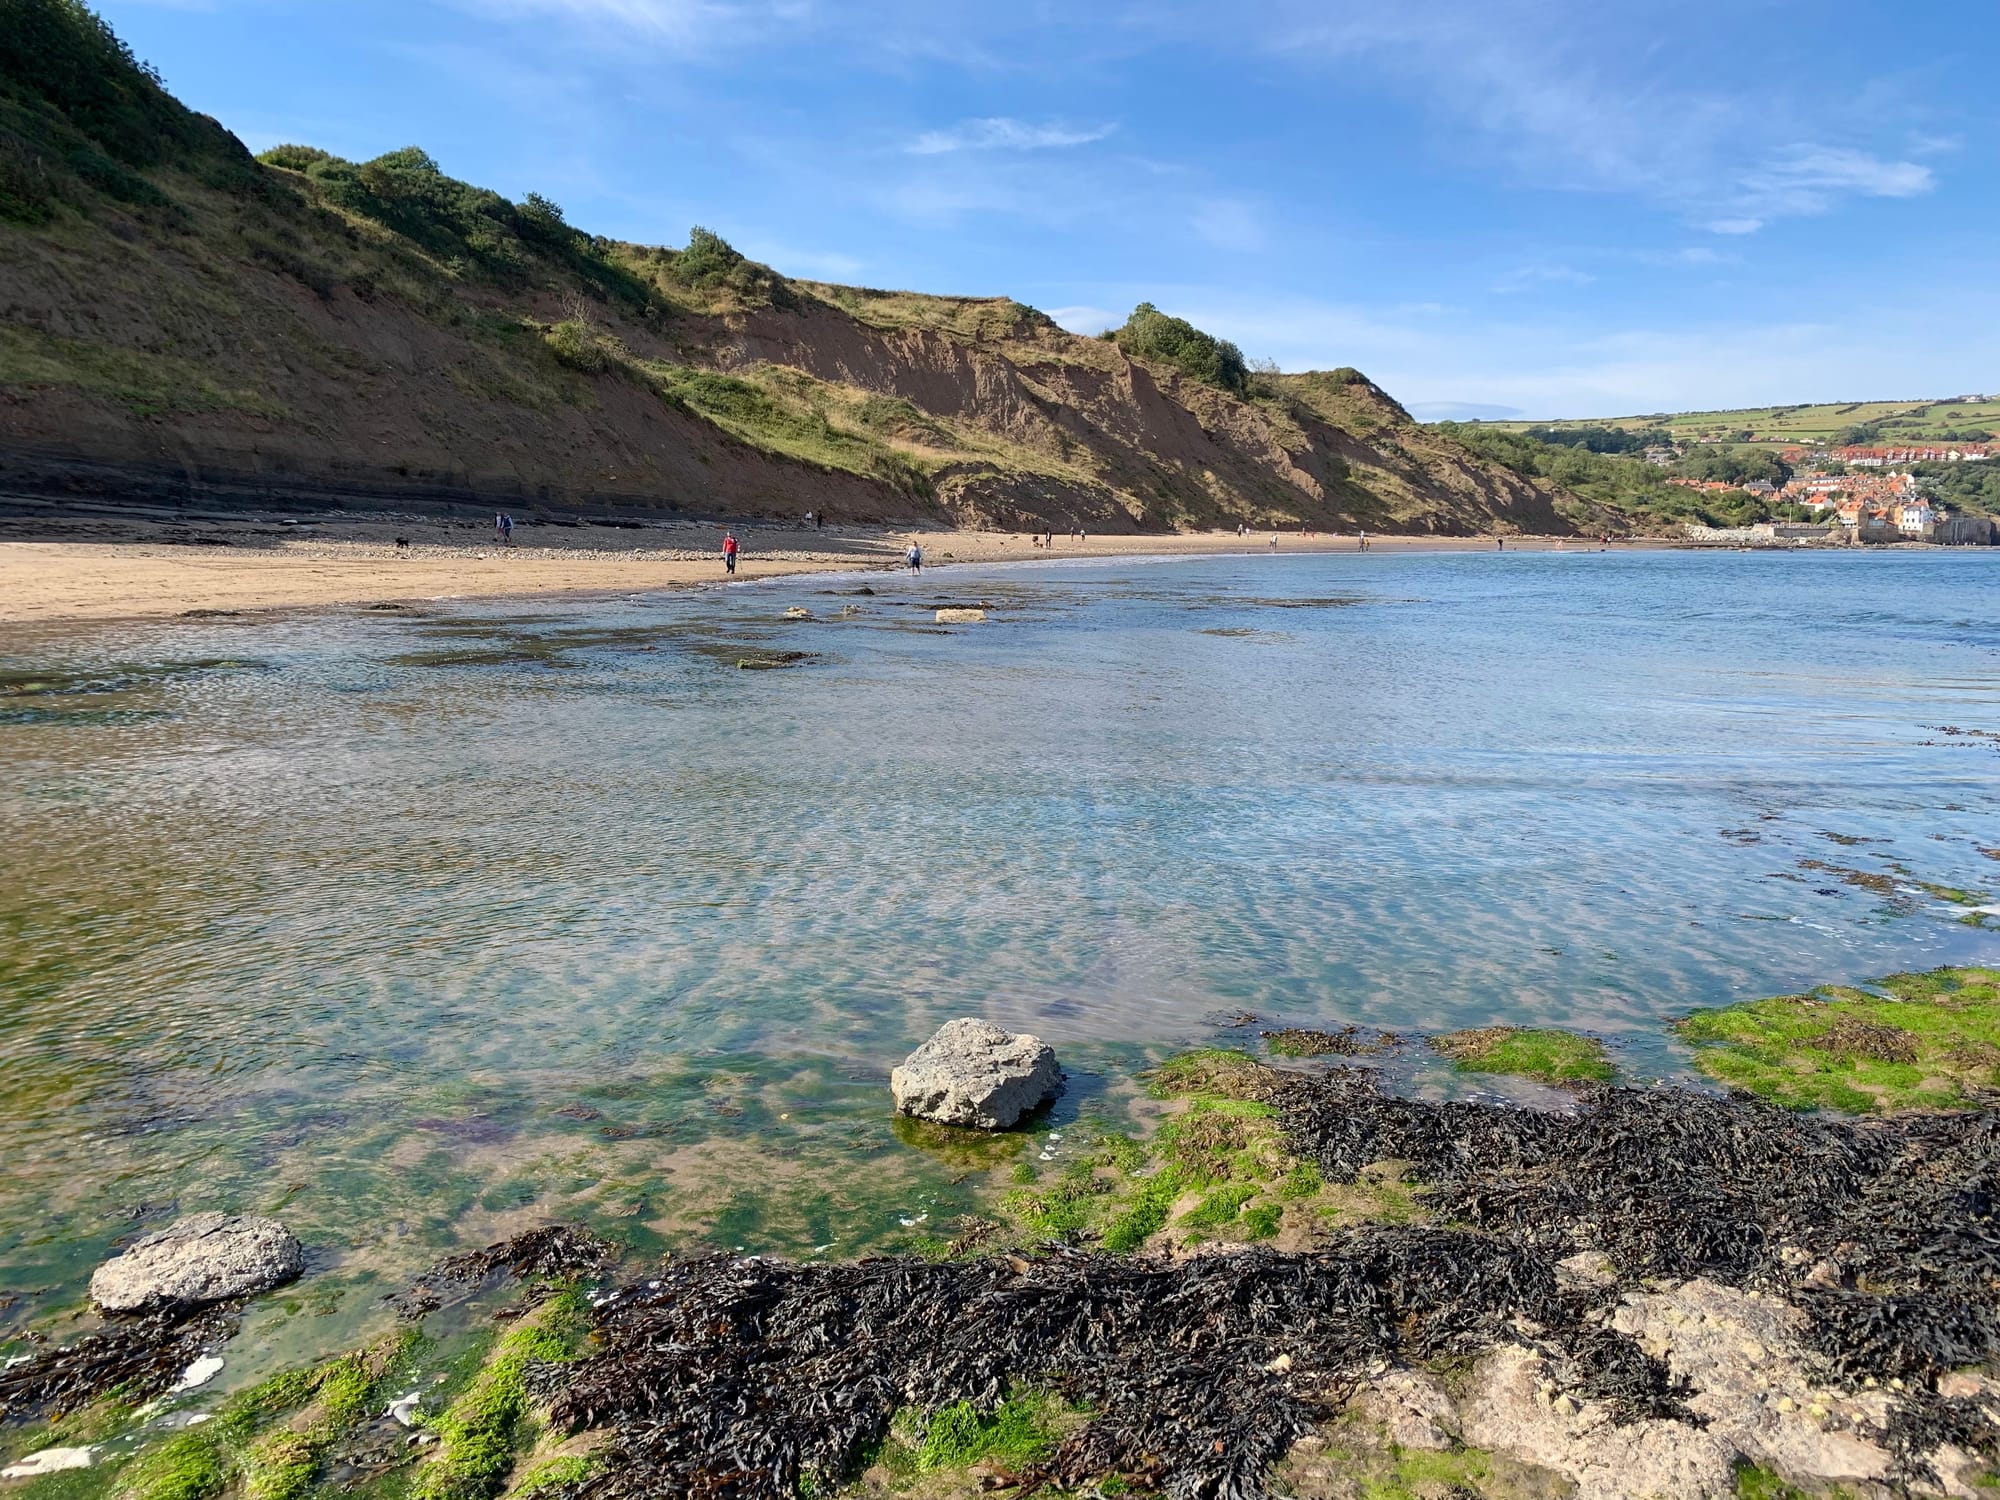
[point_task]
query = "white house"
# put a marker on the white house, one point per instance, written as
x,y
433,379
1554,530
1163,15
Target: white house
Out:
x,y
1916,518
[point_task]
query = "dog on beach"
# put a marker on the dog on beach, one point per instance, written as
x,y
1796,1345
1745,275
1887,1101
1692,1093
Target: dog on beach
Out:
x,y
402,544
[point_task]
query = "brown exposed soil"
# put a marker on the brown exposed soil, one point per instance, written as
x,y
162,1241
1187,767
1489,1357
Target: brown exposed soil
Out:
x,y
196,371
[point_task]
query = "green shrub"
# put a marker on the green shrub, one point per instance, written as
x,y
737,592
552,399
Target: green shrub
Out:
x,y
1152,334
577,344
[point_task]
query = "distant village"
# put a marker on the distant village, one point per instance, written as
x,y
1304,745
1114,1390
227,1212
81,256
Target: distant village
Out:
x,y
1858,493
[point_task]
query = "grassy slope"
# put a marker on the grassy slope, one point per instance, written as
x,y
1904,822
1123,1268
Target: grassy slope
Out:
x,y
307,326
1899,420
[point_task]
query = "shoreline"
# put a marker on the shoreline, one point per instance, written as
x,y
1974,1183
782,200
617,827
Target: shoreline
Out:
x,y
1292,1280
107,568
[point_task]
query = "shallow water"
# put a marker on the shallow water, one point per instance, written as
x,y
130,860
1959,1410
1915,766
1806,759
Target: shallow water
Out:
x,y
421,926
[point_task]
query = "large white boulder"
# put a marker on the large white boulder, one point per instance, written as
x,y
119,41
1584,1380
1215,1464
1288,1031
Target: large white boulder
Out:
x,y
974,1073
202,1258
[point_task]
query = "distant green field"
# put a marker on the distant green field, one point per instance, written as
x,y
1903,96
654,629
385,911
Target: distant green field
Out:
x,y
1898,420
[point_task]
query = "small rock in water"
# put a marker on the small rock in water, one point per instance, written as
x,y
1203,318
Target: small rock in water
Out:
x,y
798,612
202,1258
961,616
49,1461
974,1073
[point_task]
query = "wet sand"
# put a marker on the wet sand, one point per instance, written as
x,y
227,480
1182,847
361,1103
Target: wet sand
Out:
x,y
104,567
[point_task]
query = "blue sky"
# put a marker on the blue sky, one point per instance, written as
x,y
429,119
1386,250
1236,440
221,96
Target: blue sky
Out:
x,y
1534,207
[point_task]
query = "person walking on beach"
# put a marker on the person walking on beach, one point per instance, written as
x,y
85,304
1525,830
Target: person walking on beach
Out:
x,y
915,558
729,549
1499,544
506,529
499,527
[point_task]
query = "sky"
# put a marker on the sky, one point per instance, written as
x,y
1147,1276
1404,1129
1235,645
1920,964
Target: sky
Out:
x,y
1538,208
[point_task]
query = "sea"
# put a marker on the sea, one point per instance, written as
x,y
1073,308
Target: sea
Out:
x,y
420,926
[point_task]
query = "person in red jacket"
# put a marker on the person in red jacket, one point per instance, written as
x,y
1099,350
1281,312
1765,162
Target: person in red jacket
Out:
x,y
729,552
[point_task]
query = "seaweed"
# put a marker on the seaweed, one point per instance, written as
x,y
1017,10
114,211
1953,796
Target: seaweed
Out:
x,y
753,1379
555,1250
138,1357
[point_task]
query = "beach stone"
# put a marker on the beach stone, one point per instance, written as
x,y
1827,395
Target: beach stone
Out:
x,y
49,1461
960,616
1411,1409
1750,1382
974,1073
201,1258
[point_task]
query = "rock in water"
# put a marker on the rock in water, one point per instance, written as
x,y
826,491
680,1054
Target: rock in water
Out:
x,y
960,616
202,1258
973,1073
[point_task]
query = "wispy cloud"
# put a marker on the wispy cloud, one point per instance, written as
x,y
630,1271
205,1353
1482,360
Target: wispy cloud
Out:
x,y
1808,179
1537,90
1089,321
684,25
1000,133
1526,278
1688,255
1229,224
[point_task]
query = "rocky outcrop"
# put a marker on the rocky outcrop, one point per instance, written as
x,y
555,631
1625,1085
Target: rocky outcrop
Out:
x,y
202,1258
974,1073
1751,1397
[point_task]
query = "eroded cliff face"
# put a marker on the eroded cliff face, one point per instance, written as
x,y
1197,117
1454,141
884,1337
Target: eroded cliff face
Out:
x,y
1090,436
274,350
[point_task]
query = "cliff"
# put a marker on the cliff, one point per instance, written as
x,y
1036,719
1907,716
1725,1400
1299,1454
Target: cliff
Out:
x,y
179,320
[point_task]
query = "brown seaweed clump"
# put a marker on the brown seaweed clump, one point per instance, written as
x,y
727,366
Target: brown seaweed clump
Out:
x,y
1348,1041
756,1379
557,1250
137,1356
748,1379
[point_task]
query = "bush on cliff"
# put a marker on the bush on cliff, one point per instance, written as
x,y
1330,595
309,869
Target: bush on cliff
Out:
x,y
1152,334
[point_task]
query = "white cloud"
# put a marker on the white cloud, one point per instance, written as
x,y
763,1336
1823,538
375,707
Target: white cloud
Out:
x,y
1000,133
681,25
1089,321
1229,224
1522,80
1526,277
1807,180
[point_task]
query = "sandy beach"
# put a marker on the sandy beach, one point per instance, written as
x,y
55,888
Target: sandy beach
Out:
x,y
111,566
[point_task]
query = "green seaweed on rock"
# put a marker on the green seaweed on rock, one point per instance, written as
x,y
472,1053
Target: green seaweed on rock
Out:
x,y
1544,1054
1925,1041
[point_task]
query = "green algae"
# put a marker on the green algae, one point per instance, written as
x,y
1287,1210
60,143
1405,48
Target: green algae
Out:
x,y
1215,1168
1354,1460
1753,1482
284,1465
930,1456
1911,1041
565,1469
483,1430
1546,1055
